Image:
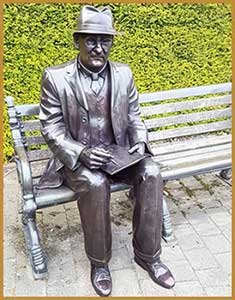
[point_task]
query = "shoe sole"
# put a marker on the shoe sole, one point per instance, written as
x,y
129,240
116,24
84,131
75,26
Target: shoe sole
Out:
x,y
142,265
99,293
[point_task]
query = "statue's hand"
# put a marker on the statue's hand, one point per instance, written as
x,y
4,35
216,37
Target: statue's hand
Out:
x,y
139,147
94,158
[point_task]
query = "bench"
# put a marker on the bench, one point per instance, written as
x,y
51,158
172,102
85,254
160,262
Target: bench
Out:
x,y
189,130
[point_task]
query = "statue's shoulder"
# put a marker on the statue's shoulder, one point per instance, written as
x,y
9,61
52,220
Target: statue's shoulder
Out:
x,y
119,65
61,68
122,68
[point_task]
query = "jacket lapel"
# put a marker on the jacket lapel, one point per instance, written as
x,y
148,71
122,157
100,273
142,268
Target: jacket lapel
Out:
x,y
114,86
73,79
116,114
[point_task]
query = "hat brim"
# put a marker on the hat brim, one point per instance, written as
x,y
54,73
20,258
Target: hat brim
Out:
x,y
90,31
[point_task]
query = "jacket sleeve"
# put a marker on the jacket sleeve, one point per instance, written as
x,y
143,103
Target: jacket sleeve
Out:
x,y
136,128
53,125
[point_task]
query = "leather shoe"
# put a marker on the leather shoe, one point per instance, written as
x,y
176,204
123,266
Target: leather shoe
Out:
x,y
158,272
101,280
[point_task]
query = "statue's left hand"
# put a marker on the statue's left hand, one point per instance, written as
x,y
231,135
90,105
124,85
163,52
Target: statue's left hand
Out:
x,y
139,147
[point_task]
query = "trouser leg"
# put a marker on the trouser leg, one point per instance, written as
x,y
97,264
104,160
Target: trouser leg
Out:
x,y
93,191
147,216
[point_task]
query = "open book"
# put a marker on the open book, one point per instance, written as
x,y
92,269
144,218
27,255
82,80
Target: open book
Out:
x,y
121,159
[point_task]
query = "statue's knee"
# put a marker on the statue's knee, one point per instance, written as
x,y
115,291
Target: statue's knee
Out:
x,y
152,171
97,180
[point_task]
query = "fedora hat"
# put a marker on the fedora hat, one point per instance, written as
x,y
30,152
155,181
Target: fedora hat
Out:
x,y
96,21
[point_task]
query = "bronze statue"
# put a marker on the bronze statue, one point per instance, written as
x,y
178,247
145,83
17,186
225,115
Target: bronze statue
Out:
x,y
87,105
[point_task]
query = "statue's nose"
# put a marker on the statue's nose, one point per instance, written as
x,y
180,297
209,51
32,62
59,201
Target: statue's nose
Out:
x,y
98,48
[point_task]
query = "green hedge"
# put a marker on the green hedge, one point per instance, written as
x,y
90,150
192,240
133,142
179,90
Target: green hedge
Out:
x,y
166,45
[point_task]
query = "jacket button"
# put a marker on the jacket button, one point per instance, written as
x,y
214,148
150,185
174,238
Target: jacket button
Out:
x,y
84,142
84,119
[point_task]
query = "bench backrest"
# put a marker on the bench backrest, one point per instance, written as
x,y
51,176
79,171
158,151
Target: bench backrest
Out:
x,y
168,114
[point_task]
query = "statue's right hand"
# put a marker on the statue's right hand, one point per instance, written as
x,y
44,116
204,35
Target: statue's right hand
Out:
x,y
94,158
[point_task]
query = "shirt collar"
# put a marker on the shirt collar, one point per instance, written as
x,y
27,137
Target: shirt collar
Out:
x,y
88,73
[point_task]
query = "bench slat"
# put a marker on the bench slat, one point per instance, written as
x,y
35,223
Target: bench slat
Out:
x,y
35,140
190,144
36,155
28,109
196,169
190,130
183,162
186,92
31,125
188,118
34,125
186,105
190,153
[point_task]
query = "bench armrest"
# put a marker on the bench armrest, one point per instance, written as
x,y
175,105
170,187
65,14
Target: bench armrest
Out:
x,y
21,159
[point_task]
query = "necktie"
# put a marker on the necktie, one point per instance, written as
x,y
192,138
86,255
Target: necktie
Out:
x,y
96,83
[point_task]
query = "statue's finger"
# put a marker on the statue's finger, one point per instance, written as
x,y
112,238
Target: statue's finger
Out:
x,y
101,154
133,149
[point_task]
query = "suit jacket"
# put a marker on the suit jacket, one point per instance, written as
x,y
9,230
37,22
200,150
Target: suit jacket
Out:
x,y
64,116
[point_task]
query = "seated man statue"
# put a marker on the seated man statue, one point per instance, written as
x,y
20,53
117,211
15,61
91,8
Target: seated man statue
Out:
x,y
86,105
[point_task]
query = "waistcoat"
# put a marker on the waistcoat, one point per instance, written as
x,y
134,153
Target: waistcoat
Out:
x,y
101,132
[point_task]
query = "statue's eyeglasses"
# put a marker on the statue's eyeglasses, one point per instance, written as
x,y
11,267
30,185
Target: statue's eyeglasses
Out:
x,y
93,42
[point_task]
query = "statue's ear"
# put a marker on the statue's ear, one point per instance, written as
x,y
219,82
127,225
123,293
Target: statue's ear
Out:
x,y
76,40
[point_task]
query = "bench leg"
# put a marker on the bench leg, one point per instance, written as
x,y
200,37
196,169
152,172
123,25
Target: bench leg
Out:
x,y
167,231
36,254
226,174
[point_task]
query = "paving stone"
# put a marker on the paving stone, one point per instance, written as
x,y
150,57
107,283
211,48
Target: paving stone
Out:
x,y
187,238
228,205
9,250
220,216
61,264
222,191
171,253
182,270
179,195
119,238
120,259
202,224
205,199
75,232
227,232
178,218
150,288
82,287
190,241
9,277
214,277
225,261
201,259
210,180
8,168
25,283
129,246
173,184
219,291
83,279
125,283
183,229
191,182
217,243
190,288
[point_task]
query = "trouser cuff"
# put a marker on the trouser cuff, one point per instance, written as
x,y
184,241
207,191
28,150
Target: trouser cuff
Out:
x,y
148,258
98,262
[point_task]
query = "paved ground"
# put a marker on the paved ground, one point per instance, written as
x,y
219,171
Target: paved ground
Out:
x,y
199,257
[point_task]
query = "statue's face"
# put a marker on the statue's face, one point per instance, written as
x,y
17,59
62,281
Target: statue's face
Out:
x,y
94,50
